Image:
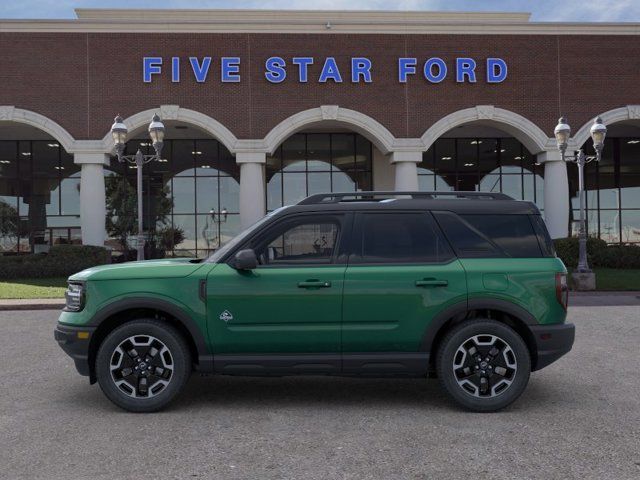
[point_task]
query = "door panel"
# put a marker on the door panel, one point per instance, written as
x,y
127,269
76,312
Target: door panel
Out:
x,y
402,274
292,302
386,309
269,312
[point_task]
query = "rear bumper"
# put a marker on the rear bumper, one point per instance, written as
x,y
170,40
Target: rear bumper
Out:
x,y
552,342
77,347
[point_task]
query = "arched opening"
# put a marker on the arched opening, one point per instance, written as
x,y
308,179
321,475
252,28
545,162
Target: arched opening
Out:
x,y
612,186
190,196
484,158
39,189
317,160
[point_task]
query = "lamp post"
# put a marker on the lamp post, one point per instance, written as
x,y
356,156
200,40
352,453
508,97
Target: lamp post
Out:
x,y
156,133
207,232
562,133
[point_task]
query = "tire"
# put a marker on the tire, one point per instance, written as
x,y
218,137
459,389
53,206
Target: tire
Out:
x,y
154,348
461,374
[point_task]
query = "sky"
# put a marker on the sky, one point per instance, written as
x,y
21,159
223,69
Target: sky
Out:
x,y
542,10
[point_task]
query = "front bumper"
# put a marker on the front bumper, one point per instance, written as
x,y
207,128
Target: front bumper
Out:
x,y
552,342
75,342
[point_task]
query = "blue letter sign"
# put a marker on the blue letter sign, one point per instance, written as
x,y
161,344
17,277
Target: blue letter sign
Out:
x,y
275,69
496,70
330,71
200,71
434,69
151,66
230,69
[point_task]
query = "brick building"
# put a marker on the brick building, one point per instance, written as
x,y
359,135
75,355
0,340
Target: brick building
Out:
x,y
265,107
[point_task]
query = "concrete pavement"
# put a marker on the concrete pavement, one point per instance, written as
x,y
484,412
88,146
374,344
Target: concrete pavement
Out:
x,y
579,418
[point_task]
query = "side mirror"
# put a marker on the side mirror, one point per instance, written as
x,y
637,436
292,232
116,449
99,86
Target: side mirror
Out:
x,y
245,260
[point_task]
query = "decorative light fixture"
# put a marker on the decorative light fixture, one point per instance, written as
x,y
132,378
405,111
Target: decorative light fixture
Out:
x,y
119,133
562,133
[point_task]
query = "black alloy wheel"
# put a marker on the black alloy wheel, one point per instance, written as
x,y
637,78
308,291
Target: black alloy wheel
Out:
x,y
142,365
483,364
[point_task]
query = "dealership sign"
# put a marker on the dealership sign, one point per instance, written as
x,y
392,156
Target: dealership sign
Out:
x,y
361,69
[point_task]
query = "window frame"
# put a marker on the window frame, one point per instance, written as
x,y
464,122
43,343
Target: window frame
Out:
x,y
355,254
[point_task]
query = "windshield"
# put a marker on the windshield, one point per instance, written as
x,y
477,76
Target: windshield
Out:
x,y
238,239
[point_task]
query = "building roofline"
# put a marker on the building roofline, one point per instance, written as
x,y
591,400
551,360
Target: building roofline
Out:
x,y
312,21
261,15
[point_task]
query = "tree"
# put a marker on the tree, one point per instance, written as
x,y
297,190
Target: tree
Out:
x,y
122,210
9,225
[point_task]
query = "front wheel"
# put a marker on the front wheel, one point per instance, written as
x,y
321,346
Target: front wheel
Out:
x,y
142,365
484,365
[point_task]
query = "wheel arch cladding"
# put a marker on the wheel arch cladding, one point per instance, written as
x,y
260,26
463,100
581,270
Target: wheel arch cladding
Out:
x,y
503,311
126,310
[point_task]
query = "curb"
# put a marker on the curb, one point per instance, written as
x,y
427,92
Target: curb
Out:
x,y
31,304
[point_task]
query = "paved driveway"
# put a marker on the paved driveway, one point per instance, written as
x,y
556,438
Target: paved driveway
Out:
x,y
579,418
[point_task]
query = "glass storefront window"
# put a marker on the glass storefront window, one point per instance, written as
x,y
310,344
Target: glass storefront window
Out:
x,y
613,191
39,196
481,164
308,163
187,190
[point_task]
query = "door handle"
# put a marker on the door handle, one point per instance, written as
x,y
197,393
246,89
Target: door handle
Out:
x,y
431,282
314,284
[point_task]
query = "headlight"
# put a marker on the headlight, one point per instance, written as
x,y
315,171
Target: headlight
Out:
x,y
74,297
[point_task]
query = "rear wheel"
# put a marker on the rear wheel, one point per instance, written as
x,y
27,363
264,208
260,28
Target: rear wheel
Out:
x,y
483,365
142,365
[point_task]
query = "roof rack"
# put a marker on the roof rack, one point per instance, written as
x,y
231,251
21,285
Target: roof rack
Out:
x,y
371,196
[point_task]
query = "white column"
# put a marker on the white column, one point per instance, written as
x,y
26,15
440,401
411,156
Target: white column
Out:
x,y
556,194
93,208
252,187
406,165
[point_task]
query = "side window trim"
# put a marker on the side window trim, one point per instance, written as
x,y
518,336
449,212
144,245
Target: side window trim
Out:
x,y
357,241
291,221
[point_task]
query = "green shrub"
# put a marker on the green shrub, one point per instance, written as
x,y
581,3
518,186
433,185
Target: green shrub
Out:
x,y
61,261
568,250
599,254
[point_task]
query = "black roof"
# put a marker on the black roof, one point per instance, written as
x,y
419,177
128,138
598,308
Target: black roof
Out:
x,y
458,202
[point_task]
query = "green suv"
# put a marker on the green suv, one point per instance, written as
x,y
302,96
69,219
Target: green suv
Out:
x,y
464,286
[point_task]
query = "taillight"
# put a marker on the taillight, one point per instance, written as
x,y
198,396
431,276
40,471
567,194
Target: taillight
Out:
x,y
562,290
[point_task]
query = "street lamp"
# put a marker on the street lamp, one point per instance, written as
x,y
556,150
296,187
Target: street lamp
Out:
x,y
208,232
119,133
562,133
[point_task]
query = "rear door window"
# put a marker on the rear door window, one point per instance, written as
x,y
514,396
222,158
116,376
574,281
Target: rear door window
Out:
x,y
401,238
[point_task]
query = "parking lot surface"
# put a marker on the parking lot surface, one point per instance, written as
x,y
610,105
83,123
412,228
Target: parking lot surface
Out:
x,y
579,418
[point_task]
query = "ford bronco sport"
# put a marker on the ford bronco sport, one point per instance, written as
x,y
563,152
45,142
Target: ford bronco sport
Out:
x,y
464,286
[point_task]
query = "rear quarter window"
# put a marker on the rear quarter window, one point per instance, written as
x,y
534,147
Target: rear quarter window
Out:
x,y
514,234
491,235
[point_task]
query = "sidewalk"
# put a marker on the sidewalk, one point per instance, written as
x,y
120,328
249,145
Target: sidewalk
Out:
x,y
603,299
576,299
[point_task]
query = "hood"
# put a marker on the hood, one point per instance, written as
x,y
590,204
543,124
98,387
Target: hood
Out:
x,y
166,268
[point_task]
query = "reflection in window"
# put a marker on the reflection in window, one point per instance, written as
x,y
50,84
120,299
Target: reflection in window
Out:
x,y
190,197
612,191
39,196
305,243
482,164
308,163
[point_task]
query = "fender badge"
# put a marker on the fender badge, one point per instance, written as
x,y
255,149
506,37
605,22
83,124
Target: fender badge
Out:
x,y
226,316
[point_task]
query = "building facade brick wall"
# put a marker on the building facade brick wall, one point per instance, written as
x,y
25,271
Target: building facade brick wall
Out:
x,y
81,80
